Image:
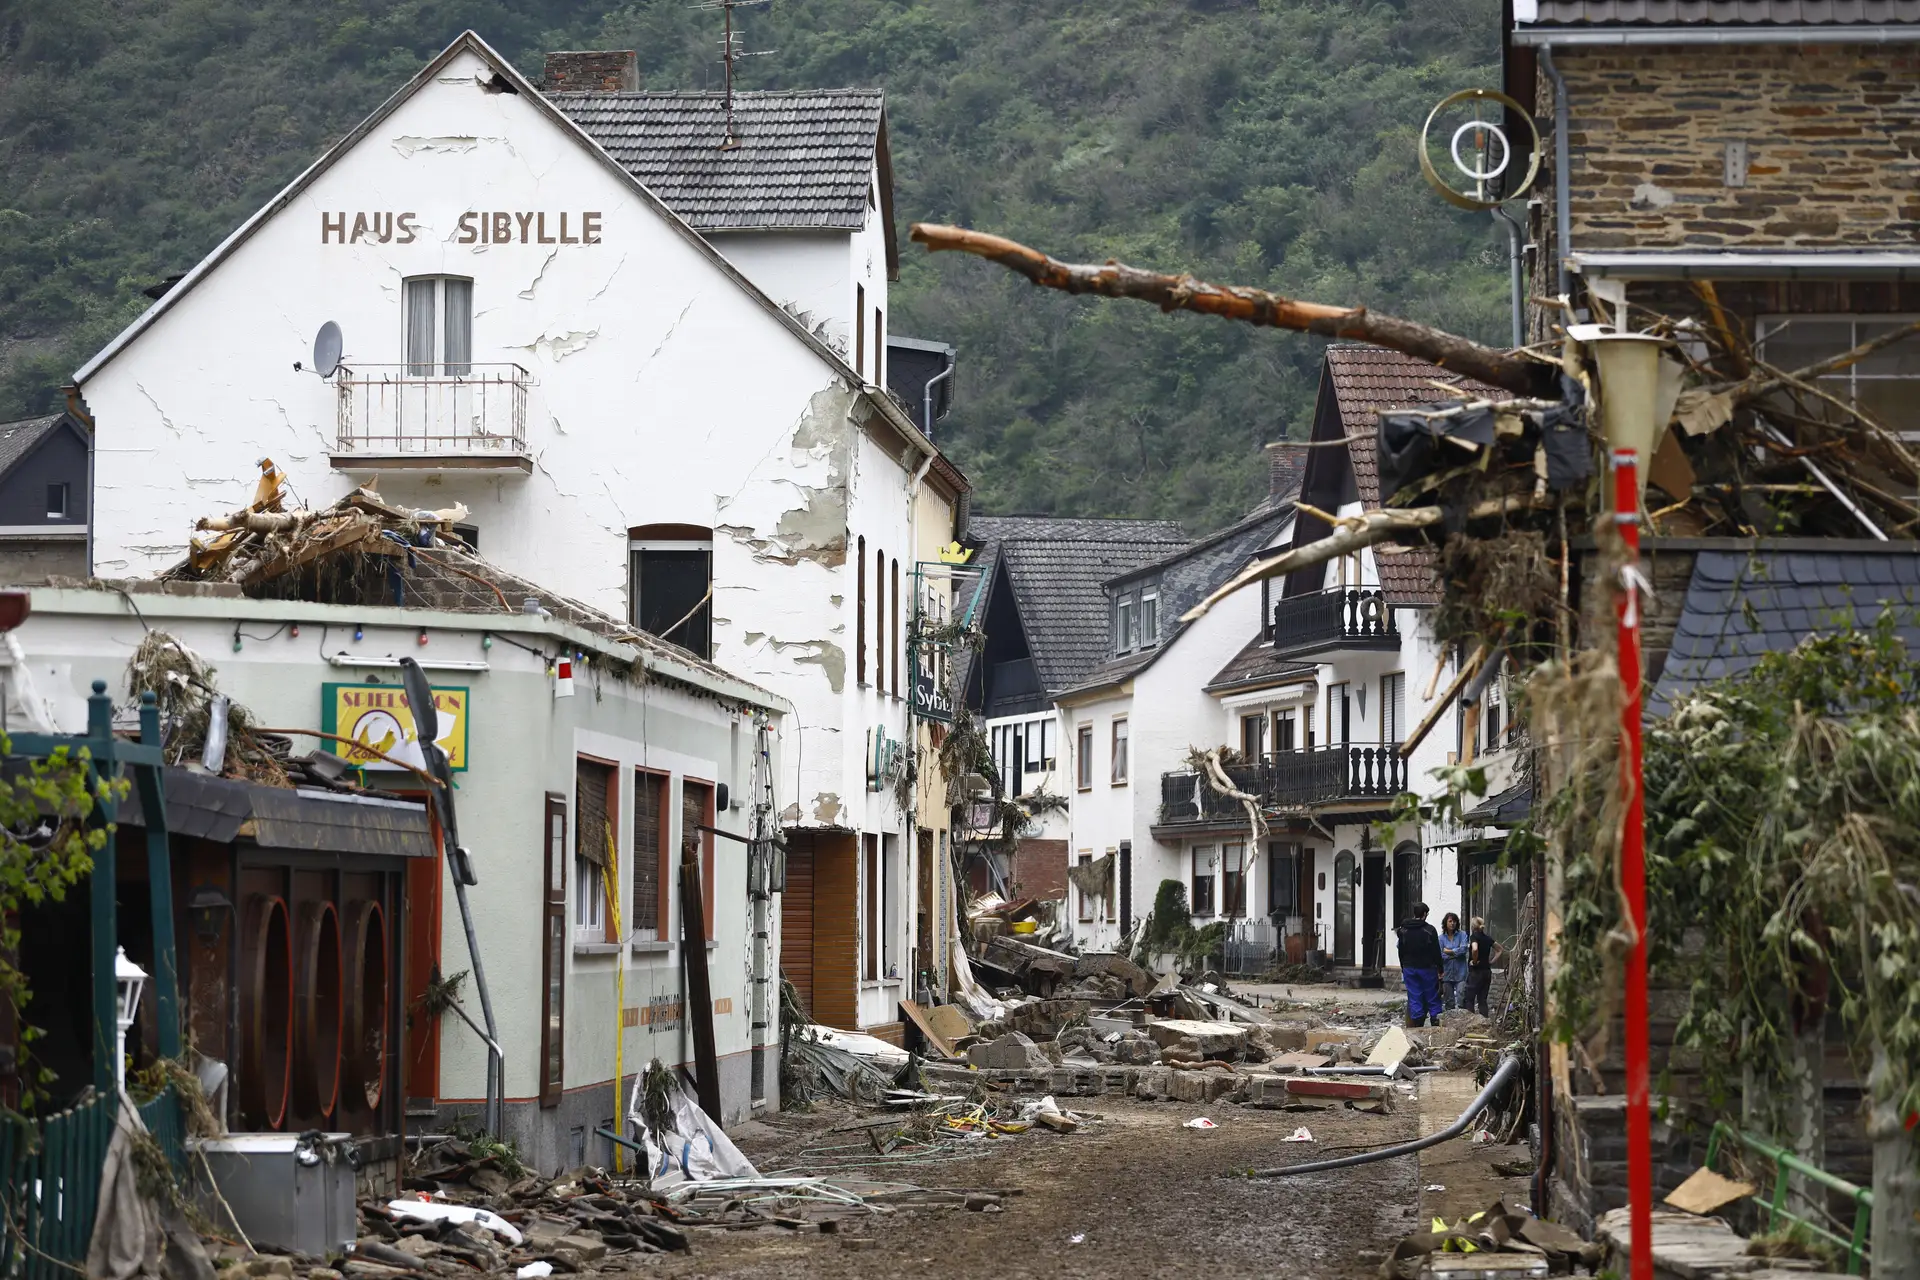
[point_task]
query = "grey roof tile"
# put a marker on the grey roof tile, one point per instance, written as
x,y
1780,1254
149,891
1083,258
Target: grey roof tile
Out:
x,y
803,159
16,438
1256,664
1741,606
1724,12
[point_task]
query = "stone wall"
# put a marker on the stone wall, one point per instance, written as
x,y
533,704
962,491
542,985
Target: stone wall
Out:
x,y
1832,135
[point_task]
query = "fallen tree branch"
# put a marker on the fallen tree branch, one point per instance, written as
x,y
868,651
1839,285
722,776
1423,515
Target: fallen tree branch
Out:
x,y
1353,533
1754,388
1252,306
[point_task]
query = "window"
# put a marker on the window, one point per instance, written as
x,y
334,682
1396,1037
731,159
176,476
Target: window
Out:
x,y
879,620
879,346
1253,738
1086,899
57,501
439,326
696,811
1491,717
1283,726
1149,617
1339,714
1113,884
1233,880
595,796
893,638
553,956
1205,859
1039,746
647,913
860,330
1306,716
1886,384
1083,759
670,582
890,906
871,923
1119,752
1393,708
1126,622
860,611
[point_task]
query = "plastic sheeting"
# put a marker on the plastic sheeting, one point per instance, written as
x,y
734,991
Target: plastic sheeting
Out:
x,y
694,1147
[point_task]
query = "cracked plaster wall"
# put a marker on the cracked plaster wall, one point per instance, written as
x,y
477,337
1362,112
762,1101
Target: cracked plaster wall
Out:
x,y
660,392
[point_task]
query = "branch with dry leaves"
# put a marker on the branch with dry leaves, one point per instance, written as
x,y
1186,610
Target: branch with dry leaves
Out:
x,y
1520,374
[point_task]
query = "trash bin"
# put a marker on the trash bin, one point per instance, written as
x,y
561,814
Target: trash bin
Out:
x,y
291,1190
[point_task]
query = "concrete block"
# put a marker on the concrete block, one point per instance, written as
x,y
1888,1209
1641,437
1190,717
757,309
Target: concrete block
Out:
x,y
1223,1040
1011,1052
1189,1086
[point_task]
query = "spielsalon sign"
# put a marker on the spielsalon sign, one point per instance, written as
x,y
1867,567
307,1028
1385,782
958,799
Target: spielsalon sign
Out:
x,y
491,226
377,716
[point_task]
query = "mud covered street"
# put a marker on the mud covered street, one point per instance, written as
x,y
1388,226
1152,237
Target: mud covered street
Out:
x,y
1147,1196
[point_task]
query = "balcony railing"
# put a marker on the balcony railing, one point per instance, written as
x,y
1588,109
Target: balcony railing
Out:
x,y
477,417
1340,618
1290,779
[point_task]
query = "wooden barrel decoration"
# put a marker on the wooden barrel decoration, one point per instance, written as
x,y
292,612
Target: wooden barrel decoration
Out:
x,y
364,1058
317,1012
266,1013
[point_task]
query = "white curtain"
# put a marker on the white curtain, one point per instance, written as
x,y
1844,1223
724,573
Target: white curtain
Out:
x,y
457,350
420,327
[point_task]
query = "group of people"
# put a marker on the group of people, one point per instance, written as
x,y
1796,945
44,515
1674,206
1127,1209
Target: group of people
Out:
x,y
1448,969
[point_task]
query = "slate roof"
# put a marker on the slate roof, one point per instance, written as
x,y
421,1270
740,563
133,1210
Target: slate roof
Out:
x,y
17,438
1743,605
1256,666
1058,568
1723,12
1366,380
803,159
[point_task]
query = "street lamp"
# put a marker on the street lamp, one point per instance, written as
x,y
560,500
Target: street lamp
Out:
x,y
131,979
1629,366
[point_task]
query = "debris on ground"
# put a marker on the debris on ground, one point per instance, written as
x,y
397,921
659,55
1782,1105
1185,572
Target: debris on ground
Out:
x,y
1495,1230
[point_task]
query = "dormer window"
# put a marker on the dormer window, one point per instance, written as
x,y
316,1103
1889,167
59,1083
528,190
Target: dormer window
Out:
x,y
1136,617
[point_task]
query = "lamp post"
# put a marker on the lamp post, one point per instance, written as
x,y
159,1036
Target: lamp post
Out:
x,y
1629,367
131,980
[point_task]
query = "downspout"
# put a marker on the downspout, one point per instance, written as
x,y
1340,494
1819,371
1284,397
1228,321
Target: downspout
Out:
x,y
1562,170
77,407
926,408
1516,285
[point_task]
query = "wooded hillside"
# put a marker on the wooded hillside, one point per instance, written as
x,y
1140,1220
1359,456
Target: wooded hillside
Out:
x,y
1263,142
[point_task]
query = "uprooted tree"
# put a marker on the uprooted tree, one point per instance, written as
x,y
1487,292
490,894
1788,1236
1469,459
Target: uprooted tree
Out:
x,y
1781,808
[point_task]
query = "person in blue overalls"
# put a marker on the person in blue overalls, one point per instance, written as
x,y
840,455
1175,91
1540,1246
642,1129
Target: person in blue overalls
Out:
x,y
1420,967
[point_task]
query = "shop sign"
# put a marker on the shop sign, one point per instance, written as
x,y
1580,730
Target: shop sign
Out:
x,y
378,716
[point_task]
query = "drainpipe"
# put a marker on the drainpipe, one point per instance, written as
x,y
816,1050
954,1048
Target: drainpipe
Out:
x,y
926,408
78,408
1562,169
1516,285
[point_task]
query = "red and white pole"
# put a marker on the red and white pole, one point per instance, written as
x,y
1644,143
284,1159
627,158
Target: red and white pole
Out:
x,y
1633,870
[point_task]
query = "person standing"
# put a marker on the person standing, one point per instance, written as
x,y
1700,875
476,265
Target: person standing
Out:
x,y
1420,967
1453,960
1482,951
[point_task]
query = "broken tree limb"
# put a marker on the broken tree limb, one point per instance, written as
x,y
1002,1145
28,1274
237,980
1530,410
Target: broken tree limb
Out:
x,y
1352,533
1252,306
1217,778
1425,727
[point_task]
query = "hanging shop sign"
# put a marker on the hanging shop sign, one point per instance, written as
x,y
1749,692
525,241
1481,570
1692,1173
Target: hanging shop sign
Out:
x,y
378,716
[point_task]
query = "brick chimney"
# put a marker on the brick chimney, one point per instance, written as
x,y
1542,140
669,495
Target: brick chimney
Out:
x,y
1286,468
592,71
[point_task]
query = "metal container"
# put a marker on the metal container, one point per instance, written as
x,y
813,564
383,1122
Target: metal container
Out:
x,y
291,1190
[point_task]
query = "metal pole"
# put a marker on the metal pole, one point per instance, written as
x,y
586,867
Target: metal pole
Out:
x,y
102,900
153,805
1633,869
1516,281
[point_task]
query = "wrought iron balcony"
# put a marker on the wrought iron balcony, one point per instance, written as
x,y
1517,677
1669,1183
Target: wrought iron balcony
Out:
x,y
1331,620
394,417
1288,780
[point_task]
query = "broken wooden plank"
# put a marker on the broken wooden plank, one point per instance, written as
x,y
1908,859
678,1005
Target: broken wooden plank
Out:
x,y
917,1015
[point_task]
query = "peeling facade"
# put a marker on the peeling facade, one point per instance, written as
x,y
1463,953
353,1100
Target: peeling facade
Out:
x,y
530,332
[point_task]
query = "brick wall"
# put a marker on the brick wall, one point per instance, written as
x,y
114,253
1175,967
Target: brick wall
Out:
x,y
592,71
1832,136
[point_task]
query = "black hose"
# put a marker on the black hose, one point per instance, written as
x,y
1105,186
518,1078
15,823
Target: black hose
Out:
x,y
1509,1065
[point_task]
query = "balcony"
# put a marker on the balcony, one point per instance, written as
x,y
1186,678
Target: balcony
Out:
x,y
1342,618
1289,780
394,418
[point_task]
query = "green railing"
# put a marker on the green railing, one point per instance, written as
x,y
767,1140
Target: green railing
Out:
x,y
1785,1165
52,1189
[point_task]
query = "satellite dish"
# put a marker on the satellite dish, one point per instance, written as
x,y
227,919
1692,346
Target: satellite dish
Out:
x,y
326,350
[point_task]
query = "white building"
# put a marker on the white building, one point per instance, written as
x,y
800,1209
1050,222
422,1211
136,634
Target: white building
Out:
x,y
537,323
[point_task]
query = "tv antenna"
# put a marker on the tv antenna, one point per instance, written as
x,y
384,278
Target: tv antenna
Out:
x,y
731,52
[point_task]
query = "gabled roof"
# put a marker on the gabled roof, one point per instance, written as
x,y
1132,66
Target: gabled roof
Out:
x,y
1720,12
1256,667
504,72
18,439
1743,605
1057,568
1363,381
801,160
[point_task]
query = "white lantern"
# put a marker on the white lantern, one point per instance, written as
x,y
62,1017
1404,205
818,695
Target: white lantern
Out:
x,y
131,980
